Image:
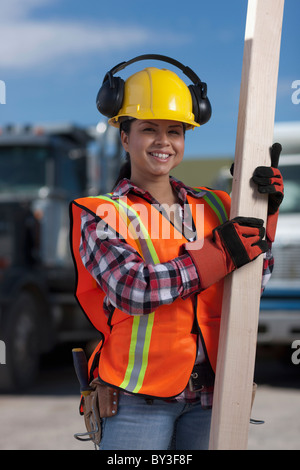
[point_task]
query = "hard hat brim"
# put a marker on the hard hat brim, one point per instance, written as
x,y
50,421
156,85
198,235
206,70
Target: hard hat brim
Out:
x,y
115,121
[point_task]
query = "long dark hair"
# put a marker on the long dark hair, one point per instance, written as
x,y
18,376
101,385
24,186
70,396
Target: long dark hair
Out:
x,y
125,170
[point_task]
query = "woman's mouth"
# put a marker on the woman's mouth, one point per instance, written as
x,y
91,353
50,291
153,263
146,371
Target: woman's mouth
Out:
x,y
161,156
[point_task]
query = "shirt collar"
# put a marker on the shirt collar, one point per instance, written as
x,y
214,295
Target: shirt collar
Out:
x,y
125,186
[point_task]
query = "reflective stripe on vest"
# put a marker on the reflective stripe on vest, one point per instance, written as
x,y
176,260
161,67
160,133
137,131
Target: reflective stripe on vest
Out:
x,y
142,325
216,204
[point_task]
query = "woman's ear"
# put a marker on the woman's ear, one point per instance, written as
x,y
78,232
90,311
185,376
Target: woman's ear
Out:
x,y
124,140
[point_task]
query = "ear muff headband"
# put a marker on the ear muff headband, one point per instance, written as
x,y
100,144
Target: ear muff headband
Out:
x,y
110,96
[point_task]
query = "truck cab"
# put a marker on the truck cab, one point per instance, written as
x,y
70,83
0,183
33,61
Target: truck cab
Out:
x,y
42,168
279,321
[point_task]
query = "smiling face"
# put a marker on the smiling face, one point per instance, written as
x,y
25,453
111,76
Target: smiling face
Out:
x,y
155,147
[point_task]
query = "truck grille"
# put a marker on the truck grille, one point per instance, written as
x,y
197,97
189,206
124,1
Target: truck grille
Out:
x,y
287,262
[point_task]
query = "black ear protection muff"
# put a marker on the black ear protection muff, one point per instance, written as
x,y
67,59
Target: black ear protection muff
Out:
x,y
110,96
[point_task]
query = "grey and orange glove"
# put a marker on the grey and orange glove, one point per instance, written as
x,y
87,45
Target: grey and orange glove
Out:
x,y
269,181
232,245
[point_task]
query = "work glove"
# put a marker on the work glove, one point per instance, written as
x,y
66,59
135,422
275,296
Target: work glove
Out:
x,y
269,181
232,245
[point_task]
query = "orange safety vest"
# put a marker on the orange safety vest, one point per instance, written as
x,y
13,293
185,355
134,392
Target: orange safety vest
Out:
x,y
151,354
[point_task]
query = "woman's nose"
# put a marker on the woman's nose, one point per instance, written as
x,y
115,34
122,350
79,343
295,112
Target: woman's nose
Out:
x,y
162,138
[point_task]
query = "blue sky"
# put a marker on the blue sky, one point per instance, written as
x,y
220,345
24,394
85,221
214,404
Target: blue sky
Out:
x,y
55,53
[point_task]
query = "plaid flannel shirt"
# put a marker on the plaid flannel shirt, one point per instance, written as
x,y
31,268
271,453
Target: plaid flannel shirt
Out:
x,y
135,287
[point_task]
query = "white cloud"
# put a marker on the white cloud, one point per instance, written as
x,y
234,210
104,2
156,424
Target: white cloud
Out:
x,y
27,42
19,9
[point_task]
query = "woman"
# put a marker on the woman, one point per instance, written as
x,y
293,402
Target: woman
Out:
x,y
155,253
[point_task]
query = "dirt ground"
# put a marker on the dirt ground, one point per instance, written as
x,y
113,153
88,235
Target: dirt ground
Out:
x,y
46,417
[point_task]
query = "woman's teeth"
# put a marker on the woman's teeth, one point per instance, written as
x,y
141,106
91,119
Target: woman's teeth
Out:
x,y
162,156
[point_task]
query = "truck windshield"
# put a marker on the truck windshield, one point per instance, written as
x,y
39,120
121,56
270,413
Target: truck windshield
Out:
x,y
22,167
291,178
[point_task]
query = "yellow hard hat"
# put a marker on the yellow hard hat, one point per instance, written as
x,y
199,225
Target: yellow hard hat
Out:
x,y
156,93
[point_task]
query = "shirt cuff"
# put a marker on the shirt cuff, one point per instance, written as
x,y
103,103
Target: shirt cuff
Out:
x,y
189,276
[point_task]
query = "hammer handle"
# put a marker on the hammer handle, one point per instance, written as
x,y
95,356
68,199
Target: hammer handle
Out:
x,y
81,369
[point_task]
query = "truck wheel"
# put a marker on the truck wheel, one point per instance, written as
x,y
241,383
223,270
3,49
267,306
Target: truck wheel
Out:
x,y
22,345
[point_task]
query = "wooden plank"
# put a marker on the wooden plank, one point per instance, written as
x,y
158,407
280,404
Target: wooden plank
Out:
x,y
238,334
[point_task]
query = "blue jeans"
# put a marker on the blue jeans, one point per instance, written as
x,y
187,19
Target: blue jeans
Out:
x,y
157,426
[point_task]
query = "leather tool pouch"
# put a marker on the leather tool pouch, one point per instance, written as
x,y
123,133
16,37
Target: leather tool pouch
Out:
x,y
108,399
102,402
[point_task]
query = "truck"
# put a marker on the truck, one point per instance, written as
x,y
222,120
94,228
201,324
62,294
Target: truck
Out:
x,y
279,317
42,168
279,320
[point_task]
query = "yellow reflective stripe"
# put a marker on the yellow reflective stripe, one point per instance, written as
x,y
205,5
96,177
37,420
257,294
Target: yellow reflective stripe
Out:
x,y
150,321
118,203
137,366
215,203
142,325
146,236
119,209
218,206
133,341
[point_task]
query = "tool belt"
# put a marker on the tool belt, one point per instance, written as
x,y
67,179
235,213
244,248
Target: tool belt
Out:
x,y
101,402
